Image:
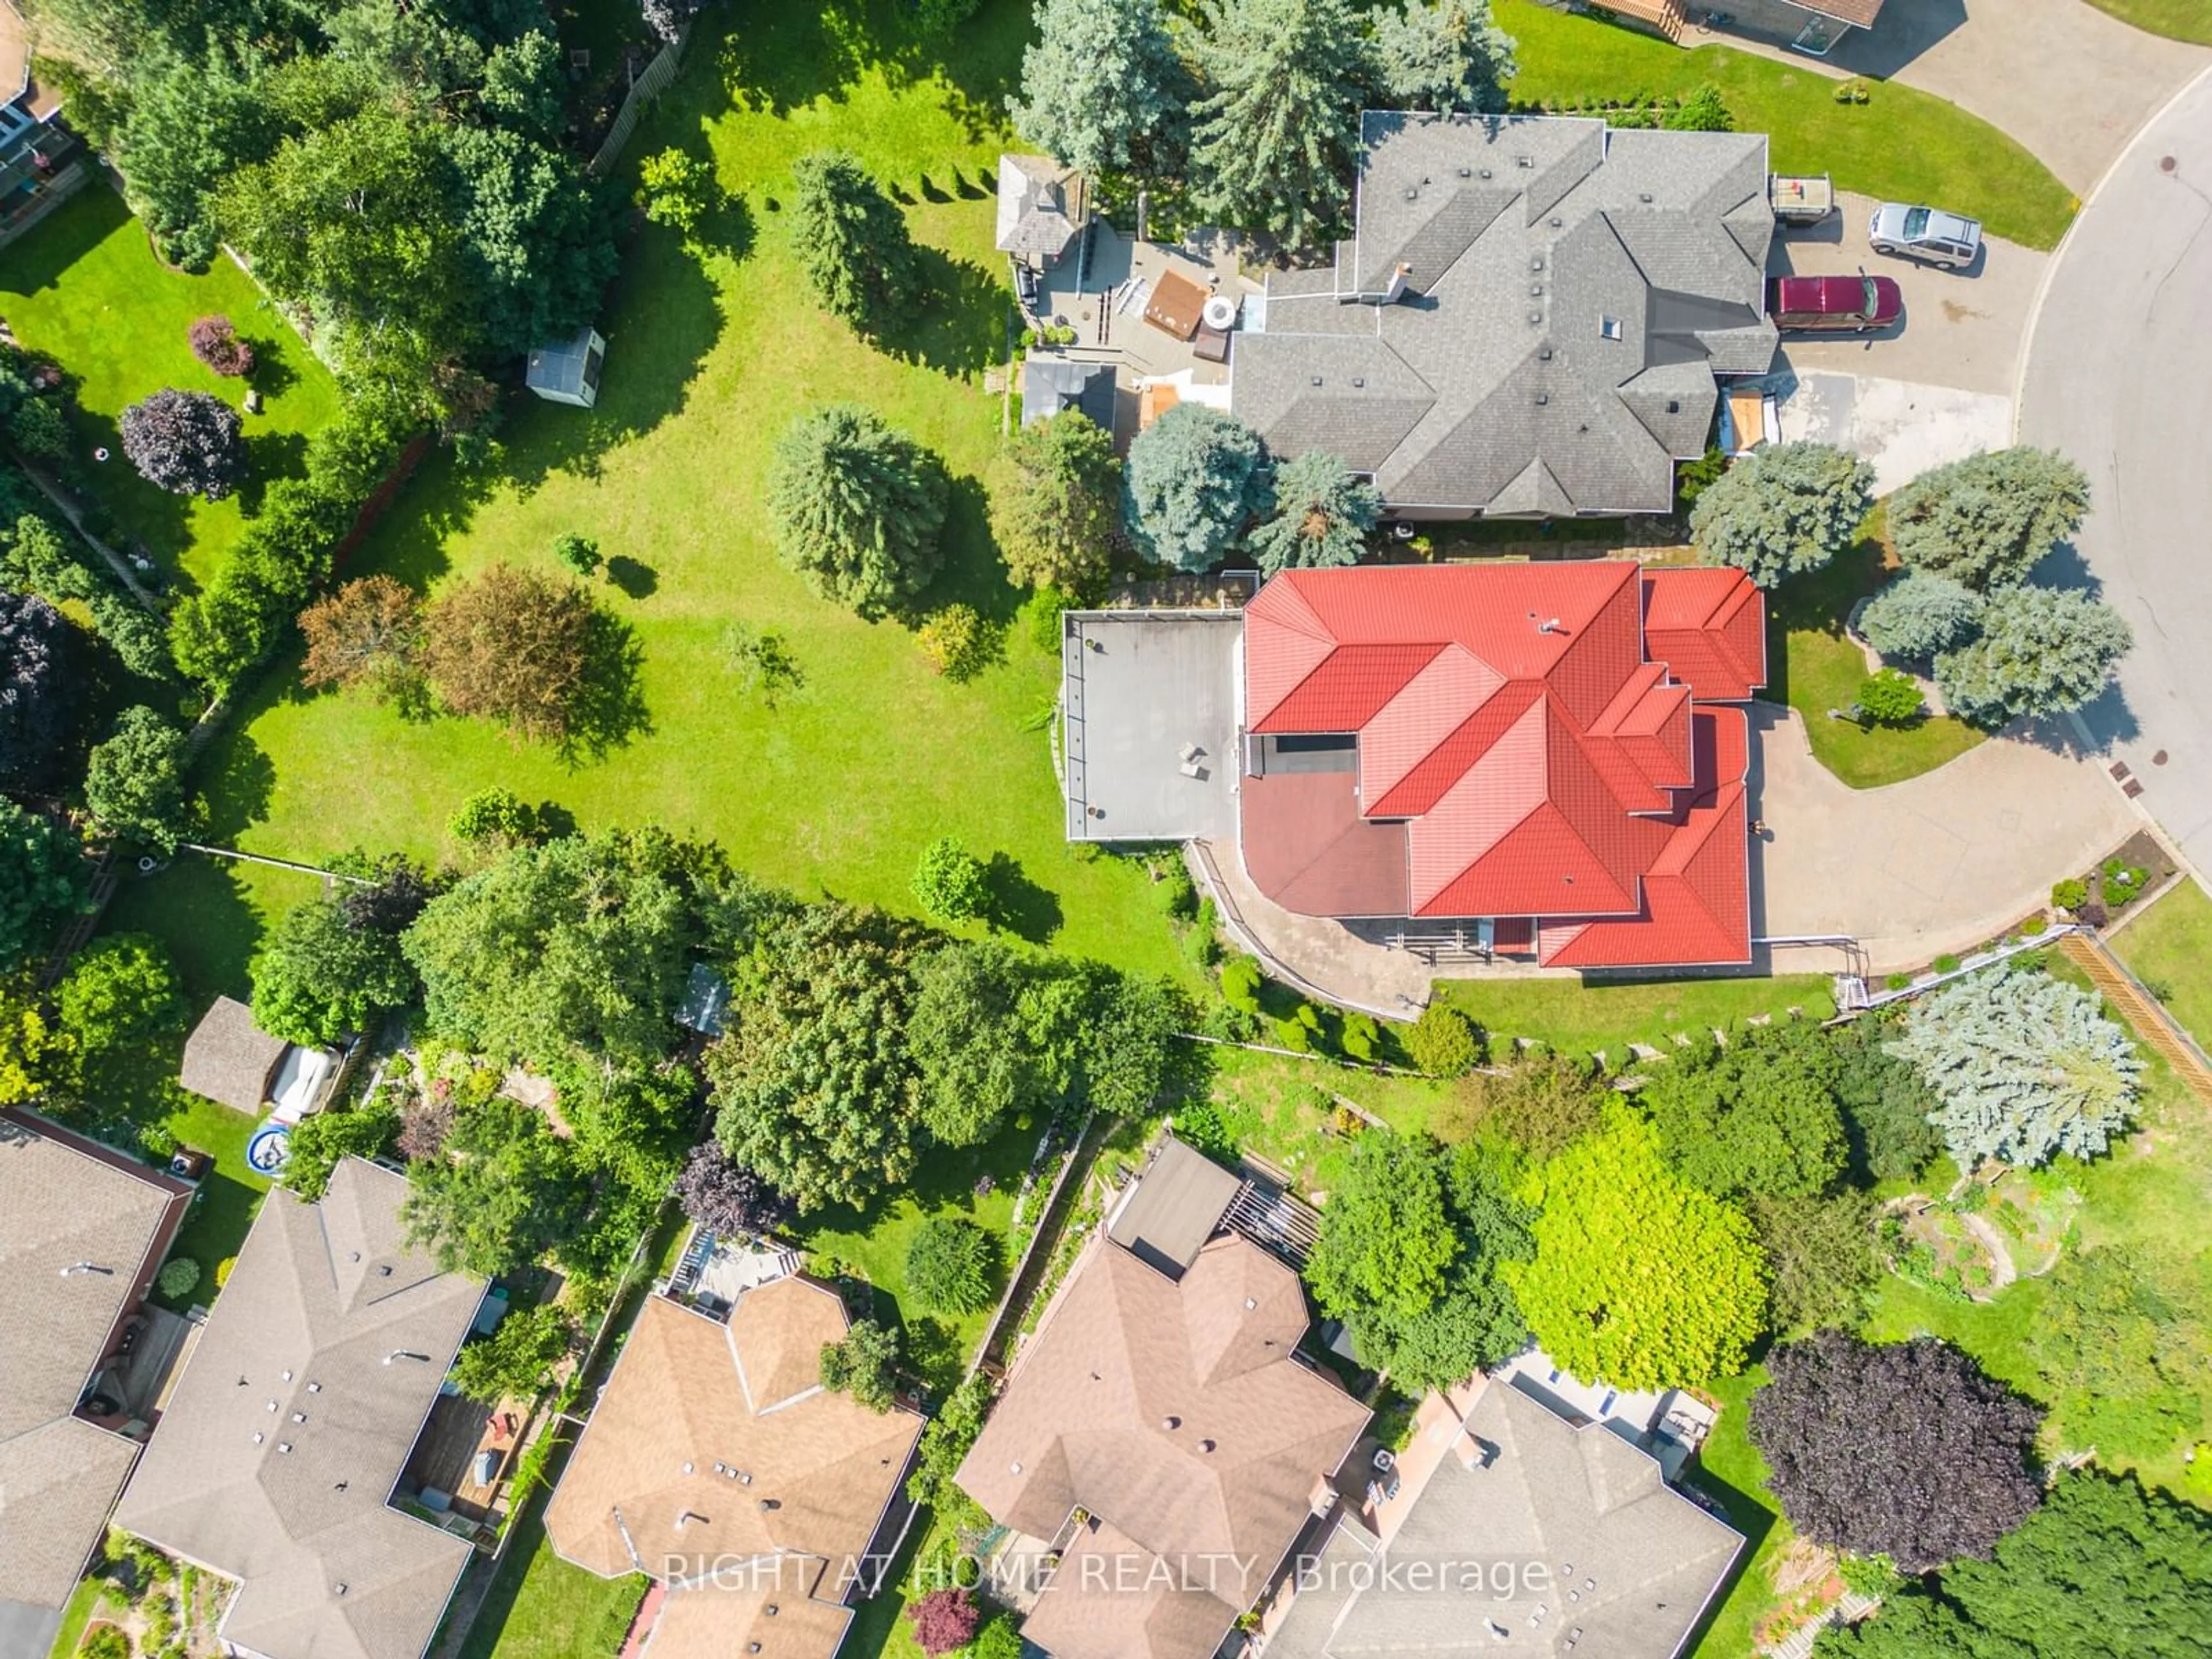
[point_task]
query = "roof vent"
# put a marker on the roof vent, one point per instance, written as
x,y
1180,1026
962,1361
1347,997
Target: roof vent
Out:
x,y
1544,353
770,1609
1359,379
687,1468
1556,222
1544,398
272,1405
1205,1445
384,1270
1535,290
283,1445
771,1502
1524,160
1466,173
745,1477
299,1417
1250,1302
1643,195
259,1439
1674,405
1552,626
1537,318
1316,380
314,1387
1486,172
287,1376
353,1255
1536,261
1412,192
339,1589
1609,327
1013,1469
1170,1423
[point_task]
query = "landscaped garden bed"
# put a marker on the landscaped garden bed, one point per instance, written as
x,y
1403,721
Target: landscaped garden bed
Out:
x,y
2102,895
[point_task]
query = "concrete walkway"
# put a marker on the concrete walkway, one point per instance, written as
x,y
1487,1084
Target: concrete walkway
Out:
x,y
1314,955
1929,866
2063,78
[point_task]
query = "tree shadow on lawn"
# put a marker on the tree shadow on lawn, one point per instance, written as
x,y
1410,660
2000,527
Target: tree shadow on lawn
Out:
x,y
269,456
962,329
142,517
273,373
784,58
235,776
636,579
609,709
973,573
1018,905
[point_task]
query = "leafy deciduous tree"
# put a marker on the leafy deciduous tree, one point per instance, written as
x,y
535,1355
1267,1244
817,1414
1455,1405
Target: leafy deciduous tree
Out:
x,y
2124,1351
1759,1115
502,1191
1907,1449
513,647
1639,1279
1053,491
865,1364
2023,1067
515,1361
678,190
1385,1239
217,344
973,1036
120,990
320,1140
186,442
1824,1255
1543,1102
856,508
42,879
318,978
949,882
579,946
727,1199
944,1620
40,686
368,633
1782,509
134,782
1322,515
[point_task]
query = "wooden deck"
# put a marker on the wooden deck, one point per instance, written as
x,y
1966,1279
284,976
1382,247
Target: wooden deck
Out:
x,y
446,1455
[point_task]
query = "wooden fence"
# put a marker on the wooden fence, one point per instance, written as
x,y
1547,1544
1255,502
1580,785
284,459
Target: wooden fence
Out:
x,y
648,85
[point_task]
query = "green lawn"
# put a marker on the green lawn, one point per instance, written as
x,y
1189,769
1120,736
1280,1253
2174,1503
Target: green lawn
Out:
x,y
1903,144
1815,667
2181,20
839,787
1582,1020
77,1613
542,1608
872,1244
88,290
2168,947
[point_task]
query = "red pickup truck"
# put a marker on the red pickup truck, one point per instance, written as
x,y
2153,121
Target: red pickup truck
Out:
x,y
1833,305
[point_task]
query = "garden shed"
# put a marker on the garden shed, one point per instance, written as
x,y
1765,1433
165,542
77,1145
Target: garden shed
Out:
x,y
568,372
230,1059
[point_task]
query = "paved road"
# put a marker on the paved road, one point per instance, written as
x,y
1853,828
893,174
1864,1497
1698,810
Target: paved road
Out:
x,y
2118,373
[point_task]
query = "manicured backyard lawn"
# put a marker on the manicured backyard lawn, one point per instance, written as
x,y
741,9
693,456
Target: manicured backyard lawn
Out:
x,y
1815,667
542,1608
2182,20
837,789
88,290
1903,144
1582,1020
2169,947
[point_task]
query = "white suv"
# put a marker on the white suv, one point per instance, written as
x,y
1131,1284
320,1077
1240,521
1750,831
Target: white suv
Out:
x,y
1920,232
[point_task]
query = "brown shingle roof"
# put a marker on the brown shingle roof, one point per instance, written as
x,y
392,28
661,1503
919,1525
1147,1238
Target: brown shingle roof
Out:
x,y
674,1410
60,1206
1176,1414
228,1058
293,1420
788,1605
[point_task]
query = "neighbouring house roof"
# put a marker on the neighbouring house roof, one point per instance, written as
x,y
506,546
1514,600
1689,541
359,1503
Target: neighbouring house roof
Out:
x,y
1052,383
1168,1216
293,1420
1604,1557
1529,318
230,1059
786,1606
716,1443
1040,207
1531,740
1860,13
81,1231
1175,1413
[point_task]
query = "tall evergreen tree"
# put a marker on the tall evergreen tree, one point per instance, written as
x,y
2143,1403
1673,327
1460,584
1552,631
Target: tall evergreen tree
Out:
x,y
1274,141
2042,651
852,241
1987,521
1443,54
856,508
1783,509
1196,477
1322,515
1103,88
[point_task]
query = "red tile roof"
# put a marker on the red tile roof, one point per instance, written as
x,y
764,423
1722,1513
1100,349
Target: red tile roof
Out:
x,y
1532,729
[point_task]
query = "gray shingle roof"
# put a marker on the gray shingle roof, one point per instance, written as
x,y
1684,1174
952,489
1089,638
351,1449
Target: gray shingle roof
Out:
x,y
295,1510
1052,383
228,1058
1620,1562
1040,207
1585,262
58,1473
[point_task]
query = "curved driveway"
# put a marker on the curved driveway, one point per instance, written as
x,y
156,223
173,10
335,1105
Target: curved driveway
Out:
x,y
2118,373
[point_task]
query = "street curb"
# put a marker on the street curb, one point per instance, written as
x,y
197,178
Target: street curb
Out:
x,y
2058,254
